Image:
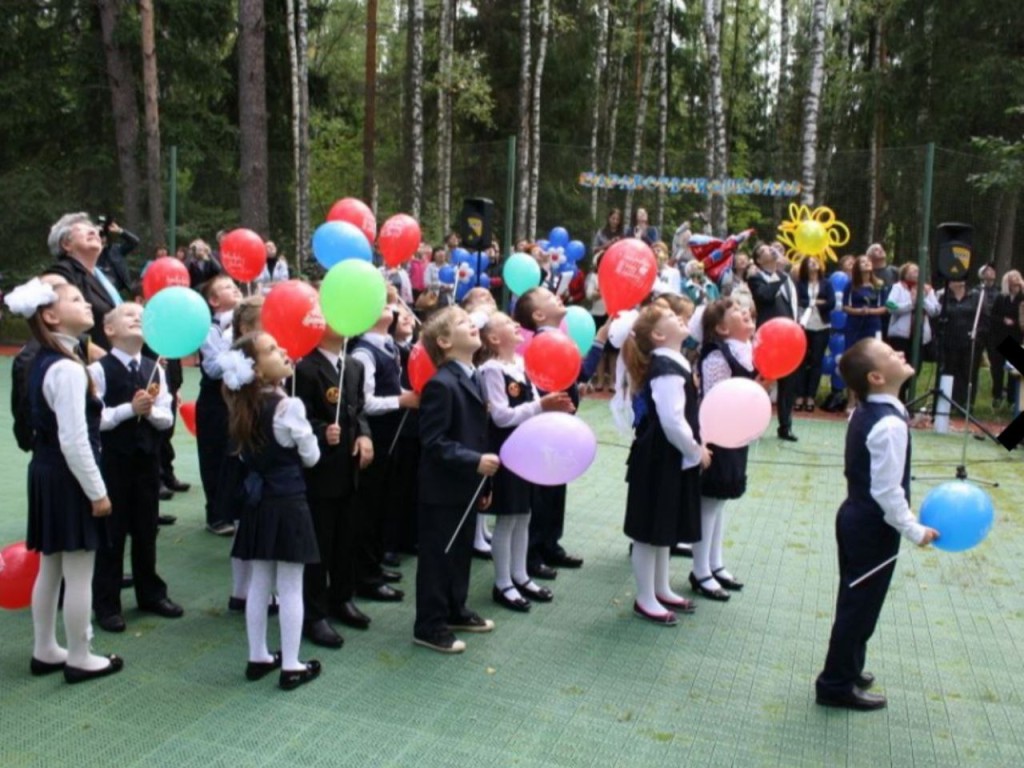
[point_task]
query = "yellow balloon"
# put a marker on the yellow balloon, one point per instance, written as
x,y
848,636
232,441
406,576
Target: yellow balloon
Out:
x,y
811,238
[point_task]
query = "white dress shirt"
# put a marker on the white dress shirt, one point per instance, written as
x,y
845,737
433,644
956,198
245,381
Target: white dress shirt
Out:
x,y
218,339
375,406
502,414
669,394
292,429
161,416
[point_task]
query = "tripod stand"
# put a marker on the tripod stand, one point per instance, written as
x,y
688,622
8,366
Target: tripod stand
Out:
x,y
937,394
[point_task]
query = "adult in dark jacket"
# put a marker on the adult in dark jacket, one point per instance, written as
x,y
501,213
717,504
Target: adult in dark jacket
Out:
x,y
200,263
114,257
816,298
1005,324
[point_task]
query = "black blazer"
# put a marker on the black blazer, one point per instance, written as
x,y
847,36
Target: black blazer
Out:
x,y
825,292
771,299
316,384
72,270
453,434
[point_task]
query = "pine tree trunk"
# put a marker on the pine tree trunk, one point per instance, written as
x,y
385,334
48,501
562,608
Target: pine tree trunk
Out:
x,y
663,88
716,151
781,100
125,111
370,116
293,61
252,117
444,115
416,107
874,158
1007,230
641,104
523,132
535,109
304,244
612,108
600,64
812,105
151,88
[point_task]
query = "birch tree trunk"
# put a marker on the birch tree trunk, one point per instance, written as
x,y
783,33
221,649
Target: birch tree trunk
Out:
x,y
780,100
641,104
875,154
612,107
523,133
444,115
600,64
716,150
1007,230
812,105
151,89
416,106
663,88
125,111
370,116
535,110
252,117
293,62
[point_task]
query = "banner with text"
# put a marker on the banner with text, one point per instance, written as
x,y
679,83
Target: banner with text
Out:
x,y
695,185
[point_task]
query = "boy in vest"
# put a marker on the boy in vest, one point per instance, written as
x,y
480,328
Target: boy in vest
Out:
x,y
868,527
136,409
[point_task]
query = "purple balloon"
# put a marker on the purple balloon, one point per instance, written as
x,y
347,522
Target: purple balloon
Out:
x,y
550,449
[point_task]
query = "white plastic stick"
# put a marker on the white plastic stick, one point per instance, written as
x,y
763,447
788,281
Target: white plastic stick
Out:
x,y
873,571
465,514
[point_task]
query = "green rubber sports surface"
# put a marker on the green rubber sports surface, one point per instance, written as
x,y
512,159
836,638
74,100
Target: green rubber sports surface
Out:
x,y
578,682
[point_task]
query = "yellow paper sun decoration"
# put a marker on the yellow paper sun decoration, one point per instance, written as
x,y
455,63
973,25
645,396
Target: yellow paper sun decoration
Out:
x,y
812,233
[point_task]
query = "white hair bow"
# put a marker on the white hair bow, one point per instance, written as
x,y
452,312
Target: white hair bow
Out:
x,y
238,370
26,299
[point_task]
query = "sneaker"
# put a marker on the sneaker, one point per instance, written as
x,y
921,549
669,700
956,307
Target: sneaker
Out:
x,y
471,623
222,529
444,642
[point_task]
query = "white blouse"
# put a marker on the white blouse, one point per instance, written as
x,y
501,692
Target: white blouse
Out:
x,y
669,394
292,429
492,373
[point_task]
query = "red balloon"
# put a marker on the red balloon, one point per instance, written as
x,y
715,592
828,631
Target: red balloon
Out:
x,y
243,254
399,239
421,368
626,275
779,348
188,415
552,361
355,212
18,570
291,314
163,273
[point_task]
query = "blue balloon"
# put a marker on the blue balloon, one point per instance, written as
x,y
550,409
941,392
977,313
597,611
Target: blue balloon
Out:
x,y
839,281
484,281
446,274
838,319
575,250
568,269
828,365
836,344
837,382
460,255
558,237
544,244
962,514
336,241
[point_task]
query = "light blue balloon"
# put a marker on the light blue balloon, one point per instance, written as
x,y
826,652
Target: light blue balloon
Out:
x,y
575,250
838,319
839,281
581,327
558,237
337,241
962,514
175,322
521,273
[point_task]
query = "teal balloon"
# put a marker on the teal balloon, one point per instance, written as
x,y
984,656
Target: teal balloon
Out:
x,y
175,322
352,297
579,324
521,273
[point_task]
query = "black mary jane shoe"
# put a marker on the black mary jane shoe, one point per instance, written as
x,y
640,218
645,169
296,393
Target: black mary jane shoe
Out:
x,y
518,603
535,592
666,619
257,670
697,585
292,679
731,584
40,668
74,675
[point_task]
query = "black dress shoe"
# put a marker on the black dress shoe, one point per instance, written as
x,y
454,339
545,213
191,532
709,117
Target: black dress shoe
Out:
x,y
541,571
517,603
682,550
787,435
535,592
165,493
127,581
864,680
390,577
852,699
74,675
381,593
731,584
112,623
321,633
349,615
564,560
176,485
257,670
712,594
292,679
166,520
164,607
236,604
482,554
40,668
390,560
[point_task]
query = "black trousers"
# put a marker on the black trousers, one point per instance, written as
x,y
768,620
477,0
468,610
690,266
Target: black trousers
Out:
x,y
400,523
330,584
133,485
547,524
956,362
863,543
442,580
370,516
808,375
212,442
167,455
998,364
785,396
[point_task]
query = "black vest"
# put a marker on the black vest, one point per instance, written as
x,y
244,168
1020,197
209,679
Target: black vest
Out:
x,y
134,434
274,471
387,382
518,393
663,366
206,381
46,441
735,367
858,457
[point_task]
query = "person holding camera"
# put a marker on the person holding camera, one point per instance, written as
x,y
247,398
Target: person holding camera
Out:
x,y
114,257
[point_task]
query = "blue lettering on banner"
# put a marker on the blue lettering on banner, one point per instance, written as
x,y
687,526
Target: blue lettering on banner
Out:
x,y
638,182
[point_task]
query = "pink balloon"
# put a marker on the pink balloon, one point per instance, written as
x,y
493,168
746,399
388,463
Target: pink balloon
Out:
x,y
550,449
734,413
527,338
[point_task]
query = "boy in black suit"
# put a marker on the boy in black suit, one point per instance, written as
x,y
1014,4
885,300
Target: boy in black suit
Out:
x,y
345,447
453,431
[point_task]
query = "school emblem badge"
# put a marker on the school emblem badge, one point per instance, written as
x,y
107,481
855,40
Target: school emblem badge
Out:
x,y
332,395
514,390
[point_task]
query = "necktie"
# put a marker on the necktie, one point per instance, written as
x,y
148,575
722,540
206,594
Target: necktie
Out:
x,y
133,368
392,350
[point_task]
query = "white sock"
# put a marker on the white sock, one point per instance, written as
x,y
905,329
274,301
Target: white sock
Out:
x,y
289,595
77,568
241,571
45,595
520,544
262,577
710,511
643,559
715,561
479,538
662,587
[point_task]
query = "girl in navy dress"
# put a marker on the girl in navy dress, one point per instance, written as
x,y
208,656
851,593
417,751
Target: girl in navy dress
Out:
x,y
511,400
67,499
863,304
275,530
663,499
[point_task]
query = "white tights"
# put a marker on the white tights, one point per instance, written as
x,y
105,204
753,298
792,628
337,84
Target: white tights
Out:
x,y
650,569
508,549
707,553
289,589
76,570
480,536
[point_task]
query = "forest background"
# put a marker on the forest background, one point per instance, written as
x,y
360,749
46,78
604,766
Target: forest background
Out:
x,y
276,108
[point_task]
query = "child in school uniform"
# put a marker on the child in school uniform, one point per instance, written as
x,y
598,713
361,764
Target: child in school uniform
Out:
x,y
222,295
871,519
343,435
511,399
67,498
136,411
727,351
454,463
275,531
663,500
404,449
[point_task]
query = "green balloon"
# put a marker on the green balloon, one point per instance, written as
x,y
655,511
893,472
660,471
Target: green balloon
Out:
x,y
581,328
352,297
521,273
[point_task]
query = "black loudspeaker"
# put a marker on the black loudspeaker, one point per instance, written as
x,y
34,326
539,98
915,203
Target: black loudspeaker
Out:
x,y
953,260
475,223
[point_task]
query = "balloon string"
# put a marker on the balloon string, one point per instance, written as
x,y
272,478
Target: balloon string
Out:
x,y
465,514
410,311
341,380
